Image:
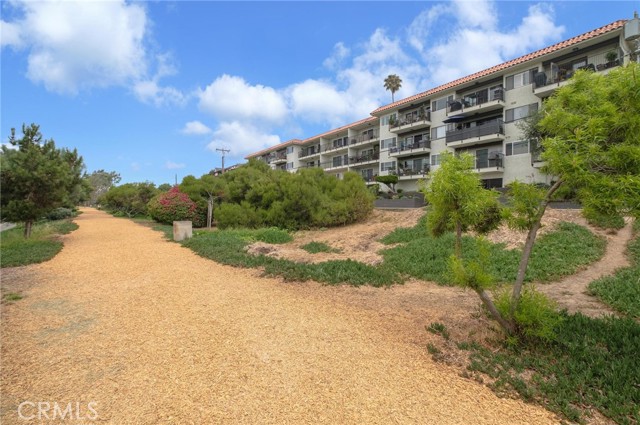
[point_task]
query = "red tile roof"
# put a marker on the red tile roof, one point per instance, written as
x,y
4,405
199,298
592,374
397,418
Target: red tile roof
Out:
x,y
274,148
564,44
336,130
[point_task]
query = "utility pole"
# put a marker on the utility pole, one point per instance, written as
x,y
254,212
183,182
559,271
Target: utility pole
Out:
x,y
223,152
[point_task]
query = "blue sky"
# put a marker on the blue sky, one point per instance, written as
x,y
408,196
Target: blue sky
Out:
x,y
151,89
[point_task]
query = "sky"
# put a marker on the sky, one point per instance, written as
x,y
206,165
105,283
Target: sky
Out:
x,y
152,89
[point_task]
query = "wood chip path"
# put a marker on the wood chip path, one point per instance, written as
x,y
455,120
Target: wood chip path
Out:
x,y
154,334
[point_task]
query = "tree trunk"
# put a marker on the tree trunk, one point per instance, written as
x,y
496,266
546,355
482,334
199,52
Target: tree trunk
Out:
x,y
27,228
458,244
209,212
528,248
488,303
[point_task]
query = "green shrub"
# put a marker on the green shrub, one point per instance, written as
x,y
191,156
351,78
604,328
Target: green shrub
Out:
x,y
61,213
390,180
273,235
536,315
173,205
129,199
237,215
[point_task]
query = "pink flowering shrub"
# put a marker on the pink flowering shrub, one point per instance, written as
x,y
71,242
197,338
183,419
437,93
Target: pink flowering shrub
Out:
x,y
174,205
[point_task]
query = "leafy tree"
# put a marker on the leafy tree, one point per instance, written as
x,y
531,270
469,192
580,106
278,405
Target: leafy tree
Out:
x,y
390,180
36,177
392,83
458,202
100,181
206,192
164,187
129,199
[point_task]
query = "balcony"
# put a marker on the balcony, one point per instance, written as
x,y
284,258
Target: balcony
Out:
x,y
364,159
492,165
278,158
335,165
481,101
411,122
412,173
363,139
369,178
337,147
492,131
309,152
555,76
423,146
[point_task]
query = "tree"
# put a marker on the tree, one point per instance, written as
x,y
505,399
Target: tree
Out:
x,y
36,177
206,192
391,180
392,83
590,143
458,202
100,182
129,199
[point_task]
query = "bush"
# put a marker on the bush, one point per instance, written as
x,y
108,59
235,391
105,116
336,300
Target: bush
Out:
x,y
129,199
389,180
536,315
173,205
237,215
61,213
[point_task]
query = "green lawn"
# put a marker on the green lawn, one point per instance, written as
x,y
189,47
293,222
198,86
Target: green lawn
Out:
x,y
43,244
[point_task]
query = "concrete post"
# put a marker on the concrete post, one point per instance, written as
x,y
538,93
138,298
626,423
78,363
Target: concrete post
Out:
x,y
182,230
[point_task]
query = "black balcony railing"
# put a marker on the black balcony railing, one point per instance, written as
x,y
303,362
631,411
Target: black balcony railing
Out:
x,y
308,152
426,116
492,127
476,98
364,158
372,135
404,172
557,73
422,144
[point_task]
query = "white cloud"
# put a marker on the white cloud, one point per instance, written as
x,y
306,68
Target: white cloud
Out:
x,y
195,128
473,41
78,45
9,146
232,98
174,165
241,139
151,92
340,53
10,35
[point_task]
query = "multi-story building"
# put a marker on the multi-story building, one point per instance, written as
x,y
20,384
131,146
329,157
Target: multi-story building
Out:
x,y
478,114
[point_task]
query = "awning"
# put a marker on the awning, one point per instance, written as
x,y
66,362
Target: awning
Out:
x,y
454,118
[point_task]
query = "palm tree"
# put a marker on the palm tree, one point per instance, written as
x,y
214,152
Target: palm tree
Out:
x,y
393,83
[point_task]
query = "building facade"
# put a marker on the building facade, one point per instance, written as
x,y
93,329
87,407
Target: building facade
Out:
x,y
478,114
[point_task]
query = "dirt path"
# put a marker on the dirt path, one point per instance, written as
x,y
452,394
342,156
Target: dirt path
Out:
x,y
571,292
154,334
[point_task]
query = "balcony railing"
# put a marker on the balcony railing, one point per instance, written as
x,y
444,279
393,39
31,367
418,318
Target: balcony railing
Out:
x,y
562,72
411,119
308,152
277,157
475,99
369,178
374,135
492,127
364,158
489,163
408,172
423,144
337,146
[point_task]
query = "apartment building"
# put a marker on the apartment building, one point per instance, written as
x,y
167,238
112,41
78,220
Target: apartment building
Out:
x,y
478,114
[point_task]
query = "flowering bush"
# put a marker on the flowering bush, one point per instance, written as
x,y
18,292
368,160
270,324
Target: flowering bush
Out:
x,y
174,205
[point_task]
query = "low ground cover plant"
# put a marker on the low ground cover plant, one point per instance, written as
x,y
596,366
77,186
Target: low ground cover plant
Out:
x,y
43,244
317,247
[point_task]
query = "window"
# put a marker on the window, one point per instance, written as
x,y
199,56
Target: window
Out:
x,y
386,166
517,148
520,112
438,104
492,183
336,161
386,118
435,159
289,165
519,80
388,143
438,132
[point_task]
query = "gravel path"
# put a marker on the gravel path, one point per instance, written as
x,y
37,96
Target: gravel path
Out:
x,y
154,334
